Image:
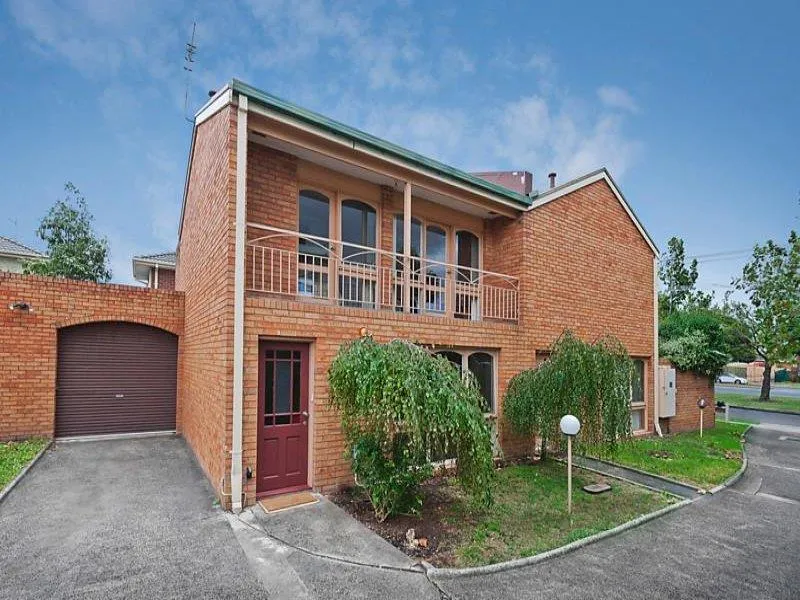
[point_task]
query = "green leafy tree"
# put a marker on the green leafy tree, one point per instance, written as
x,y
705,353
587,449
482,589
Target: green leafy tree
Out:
x,y
401,409
695,339
679,280
770,321
74,249
590,381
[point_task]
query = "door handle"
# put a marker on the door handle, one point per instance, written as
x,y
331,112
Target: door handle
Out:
x,y
305,414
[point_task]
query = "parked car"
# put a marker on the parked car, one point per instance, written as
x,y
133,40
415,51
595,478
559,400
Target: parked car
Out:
x,y
731,378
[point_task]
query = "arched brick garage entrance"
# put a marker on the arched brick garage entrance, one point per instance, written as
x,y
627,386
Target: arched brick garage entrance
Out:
x,y
115,377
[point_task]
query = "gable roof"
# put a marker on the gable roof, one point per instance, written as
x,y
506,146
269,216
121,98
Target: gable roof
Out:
x,y
162,259
601,174
9,247
384,147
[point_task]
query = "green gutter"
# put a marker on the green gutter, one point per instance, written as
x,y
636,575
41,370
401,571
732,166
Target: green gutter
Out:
x,y
376,144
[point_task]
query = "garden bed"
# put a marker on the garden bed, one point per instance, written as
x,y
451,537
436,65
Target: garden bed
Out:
x,y
14,456
686,457
528,517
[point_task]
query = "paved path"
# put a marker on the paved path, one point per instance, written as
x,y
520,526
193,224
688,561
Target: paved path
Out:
x,y
749,390
119,519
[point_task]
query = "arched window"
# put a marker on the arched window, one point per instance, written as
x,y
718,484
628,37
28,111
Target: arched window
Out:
x,y
454,357
359,226
467,255
312,254
314,209
481,365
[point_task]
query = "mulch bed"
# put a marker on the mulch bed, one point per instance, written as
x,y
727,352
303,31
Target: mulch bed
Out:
x,y
432,525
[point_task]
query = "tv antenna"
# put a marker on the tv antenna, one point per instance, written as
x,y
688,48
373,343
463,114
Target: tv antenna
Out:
x,y
188,66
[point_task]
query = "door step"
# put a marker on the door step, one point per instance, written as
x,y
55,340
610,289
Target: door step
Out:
x,y
287,501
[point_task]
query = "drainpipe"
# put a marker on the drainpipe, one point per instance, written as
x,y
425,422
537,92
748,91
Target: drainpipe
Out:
x,y
655,348
156,283
238,305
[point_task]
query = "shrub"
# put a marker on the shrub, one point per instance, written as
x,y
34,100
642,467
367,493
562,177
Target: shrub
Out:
x,y
695,340
590,381
401,406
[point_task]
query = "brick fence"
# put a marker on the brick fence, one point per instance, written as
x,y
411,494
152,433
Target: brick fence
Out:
x,y
28,338
689,388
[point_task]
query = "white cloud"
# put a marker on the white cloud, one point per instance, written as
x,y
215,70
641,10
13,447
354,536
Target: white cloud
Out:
x,y
615,97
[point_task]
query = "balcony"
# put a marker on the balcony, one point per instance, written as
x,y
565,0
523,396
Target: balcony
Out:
x,y
302,266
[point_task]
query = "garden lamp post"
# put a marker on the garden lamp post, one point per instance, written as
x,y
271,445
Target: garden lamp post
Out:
x,y
570,426
701,404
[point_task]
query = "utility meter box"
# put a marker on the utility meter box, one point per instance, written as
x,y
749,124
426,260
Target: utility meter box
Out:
x,y
666,392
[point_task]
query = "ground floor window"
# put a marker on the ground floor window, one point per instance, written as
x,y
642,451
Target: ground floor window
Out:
x,y
637,396
483,365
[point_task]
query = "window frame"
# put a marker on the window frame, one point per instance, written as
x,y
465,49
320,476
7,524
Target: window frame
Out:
x,y
465,353
640,406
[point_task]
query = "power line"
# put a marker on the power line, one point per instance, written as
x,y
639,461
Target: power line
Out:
x,y
188,66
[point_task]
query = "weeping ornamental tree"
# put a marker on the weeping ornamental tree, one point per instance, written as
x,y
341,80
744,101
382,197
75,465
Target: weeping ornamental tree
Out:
x,y
590,381
401,408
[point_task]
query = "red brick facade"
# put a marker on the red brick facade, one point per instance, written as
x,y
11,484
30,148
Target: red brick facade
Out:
x,y
28,338
205,275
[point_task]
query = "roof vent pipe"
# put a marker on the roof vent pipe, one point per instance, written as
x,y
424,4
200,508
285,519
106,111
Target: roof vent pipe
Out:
x,y
552,177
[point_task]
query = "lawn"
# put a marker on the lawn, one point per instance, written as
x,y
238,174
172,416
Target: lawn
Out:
x,y
15,455
701,462
776,403
529,515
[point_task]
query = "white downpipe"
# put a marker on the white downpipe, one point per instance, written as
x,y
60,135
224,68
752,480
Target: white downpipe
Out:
x,y
238,305
656,386
156,283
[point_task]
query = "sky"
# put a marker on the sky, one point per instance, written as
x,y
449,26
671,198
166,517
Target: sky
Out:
x,y
692,106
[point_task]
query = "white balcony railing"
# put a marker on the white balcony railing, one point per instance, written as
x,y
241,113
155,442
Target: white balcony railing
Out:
x,y
293,264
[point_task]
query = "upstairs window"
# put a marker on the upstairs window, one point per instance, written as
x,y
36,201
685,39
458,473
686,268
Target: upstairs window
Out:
x,y
314,219
359,226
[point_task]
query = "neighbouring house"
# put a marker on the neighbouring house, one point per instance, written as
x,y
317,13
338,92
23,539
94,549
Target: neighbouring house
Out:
x,y
156,271
298,234
14,255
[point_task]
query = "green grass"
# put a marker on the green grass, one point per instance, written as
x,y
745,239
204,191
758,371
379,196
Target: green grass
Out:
x,y
530,513
15,455
702,462
776,403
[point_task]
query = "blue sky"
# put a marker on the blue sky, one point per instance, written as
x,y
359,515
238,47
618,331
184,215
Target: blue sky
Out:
x,y
693,106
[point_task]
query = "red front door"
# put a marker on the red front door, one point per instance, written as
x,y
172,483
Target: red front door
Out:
x,y
283,417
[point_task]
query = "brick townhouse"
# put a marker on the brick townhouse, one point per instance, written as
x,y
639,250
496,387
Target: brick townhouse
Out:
x,y
299,233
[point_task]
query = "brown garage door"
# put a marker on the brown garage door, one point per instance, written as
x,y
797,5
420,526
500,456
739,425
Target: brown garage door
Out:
x,y
115,378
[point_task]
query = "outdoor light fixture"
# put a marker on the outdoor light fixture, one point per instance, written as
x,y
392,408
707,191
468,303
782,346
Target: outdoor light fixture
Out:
x,y
570,426
21,306
701,404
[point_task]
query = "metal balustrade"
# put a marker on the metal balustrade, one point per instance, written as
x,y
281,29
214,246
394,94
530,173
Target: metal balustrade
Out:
x,y
293,264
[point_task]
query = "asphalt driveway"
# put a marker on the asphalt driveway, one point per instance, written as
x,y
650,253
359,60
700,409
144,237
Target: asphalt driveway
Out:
x,y
135,519
119,519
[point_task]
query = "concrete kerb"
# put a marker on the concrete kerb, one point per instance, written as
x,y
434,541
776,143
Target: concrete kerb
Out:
x,y
738,475
675,482
7,490
625,479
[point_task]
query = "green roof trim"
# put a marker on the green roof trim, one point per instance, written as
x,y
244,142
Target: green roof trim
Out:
x,y
376,143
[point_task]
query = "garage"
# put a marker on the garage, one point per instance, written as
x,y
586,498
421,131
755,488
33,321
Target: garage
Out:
x,y
115,377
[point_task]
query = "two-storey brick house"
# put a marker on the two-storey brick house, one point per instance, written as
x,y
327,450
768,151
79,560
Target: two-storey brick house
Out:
x,y
299,233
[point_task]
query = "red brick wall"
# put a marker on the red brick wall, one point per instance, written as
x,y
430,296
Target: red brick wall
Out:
x,y
205,274
166,279
28,339
689,388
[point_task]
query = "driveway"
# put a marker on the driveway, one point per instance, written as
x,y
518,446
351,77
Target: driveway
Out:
x,y
134,519
119,519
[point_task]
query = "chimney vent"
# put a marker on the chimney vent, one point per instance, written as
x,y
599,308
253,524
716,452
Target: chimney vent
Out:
x,y
552,177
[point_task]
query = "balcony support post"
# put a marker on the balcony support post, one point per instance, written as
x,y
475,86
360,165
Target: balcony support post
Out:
x,y
407,248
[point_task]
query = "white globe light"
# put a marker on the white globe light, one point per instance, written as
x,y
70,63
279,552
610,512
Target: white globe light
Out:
x,y
570,425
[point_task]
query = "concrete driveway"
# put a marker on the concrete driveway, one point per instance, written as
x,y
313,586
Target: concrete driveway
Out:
x,y
119,519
